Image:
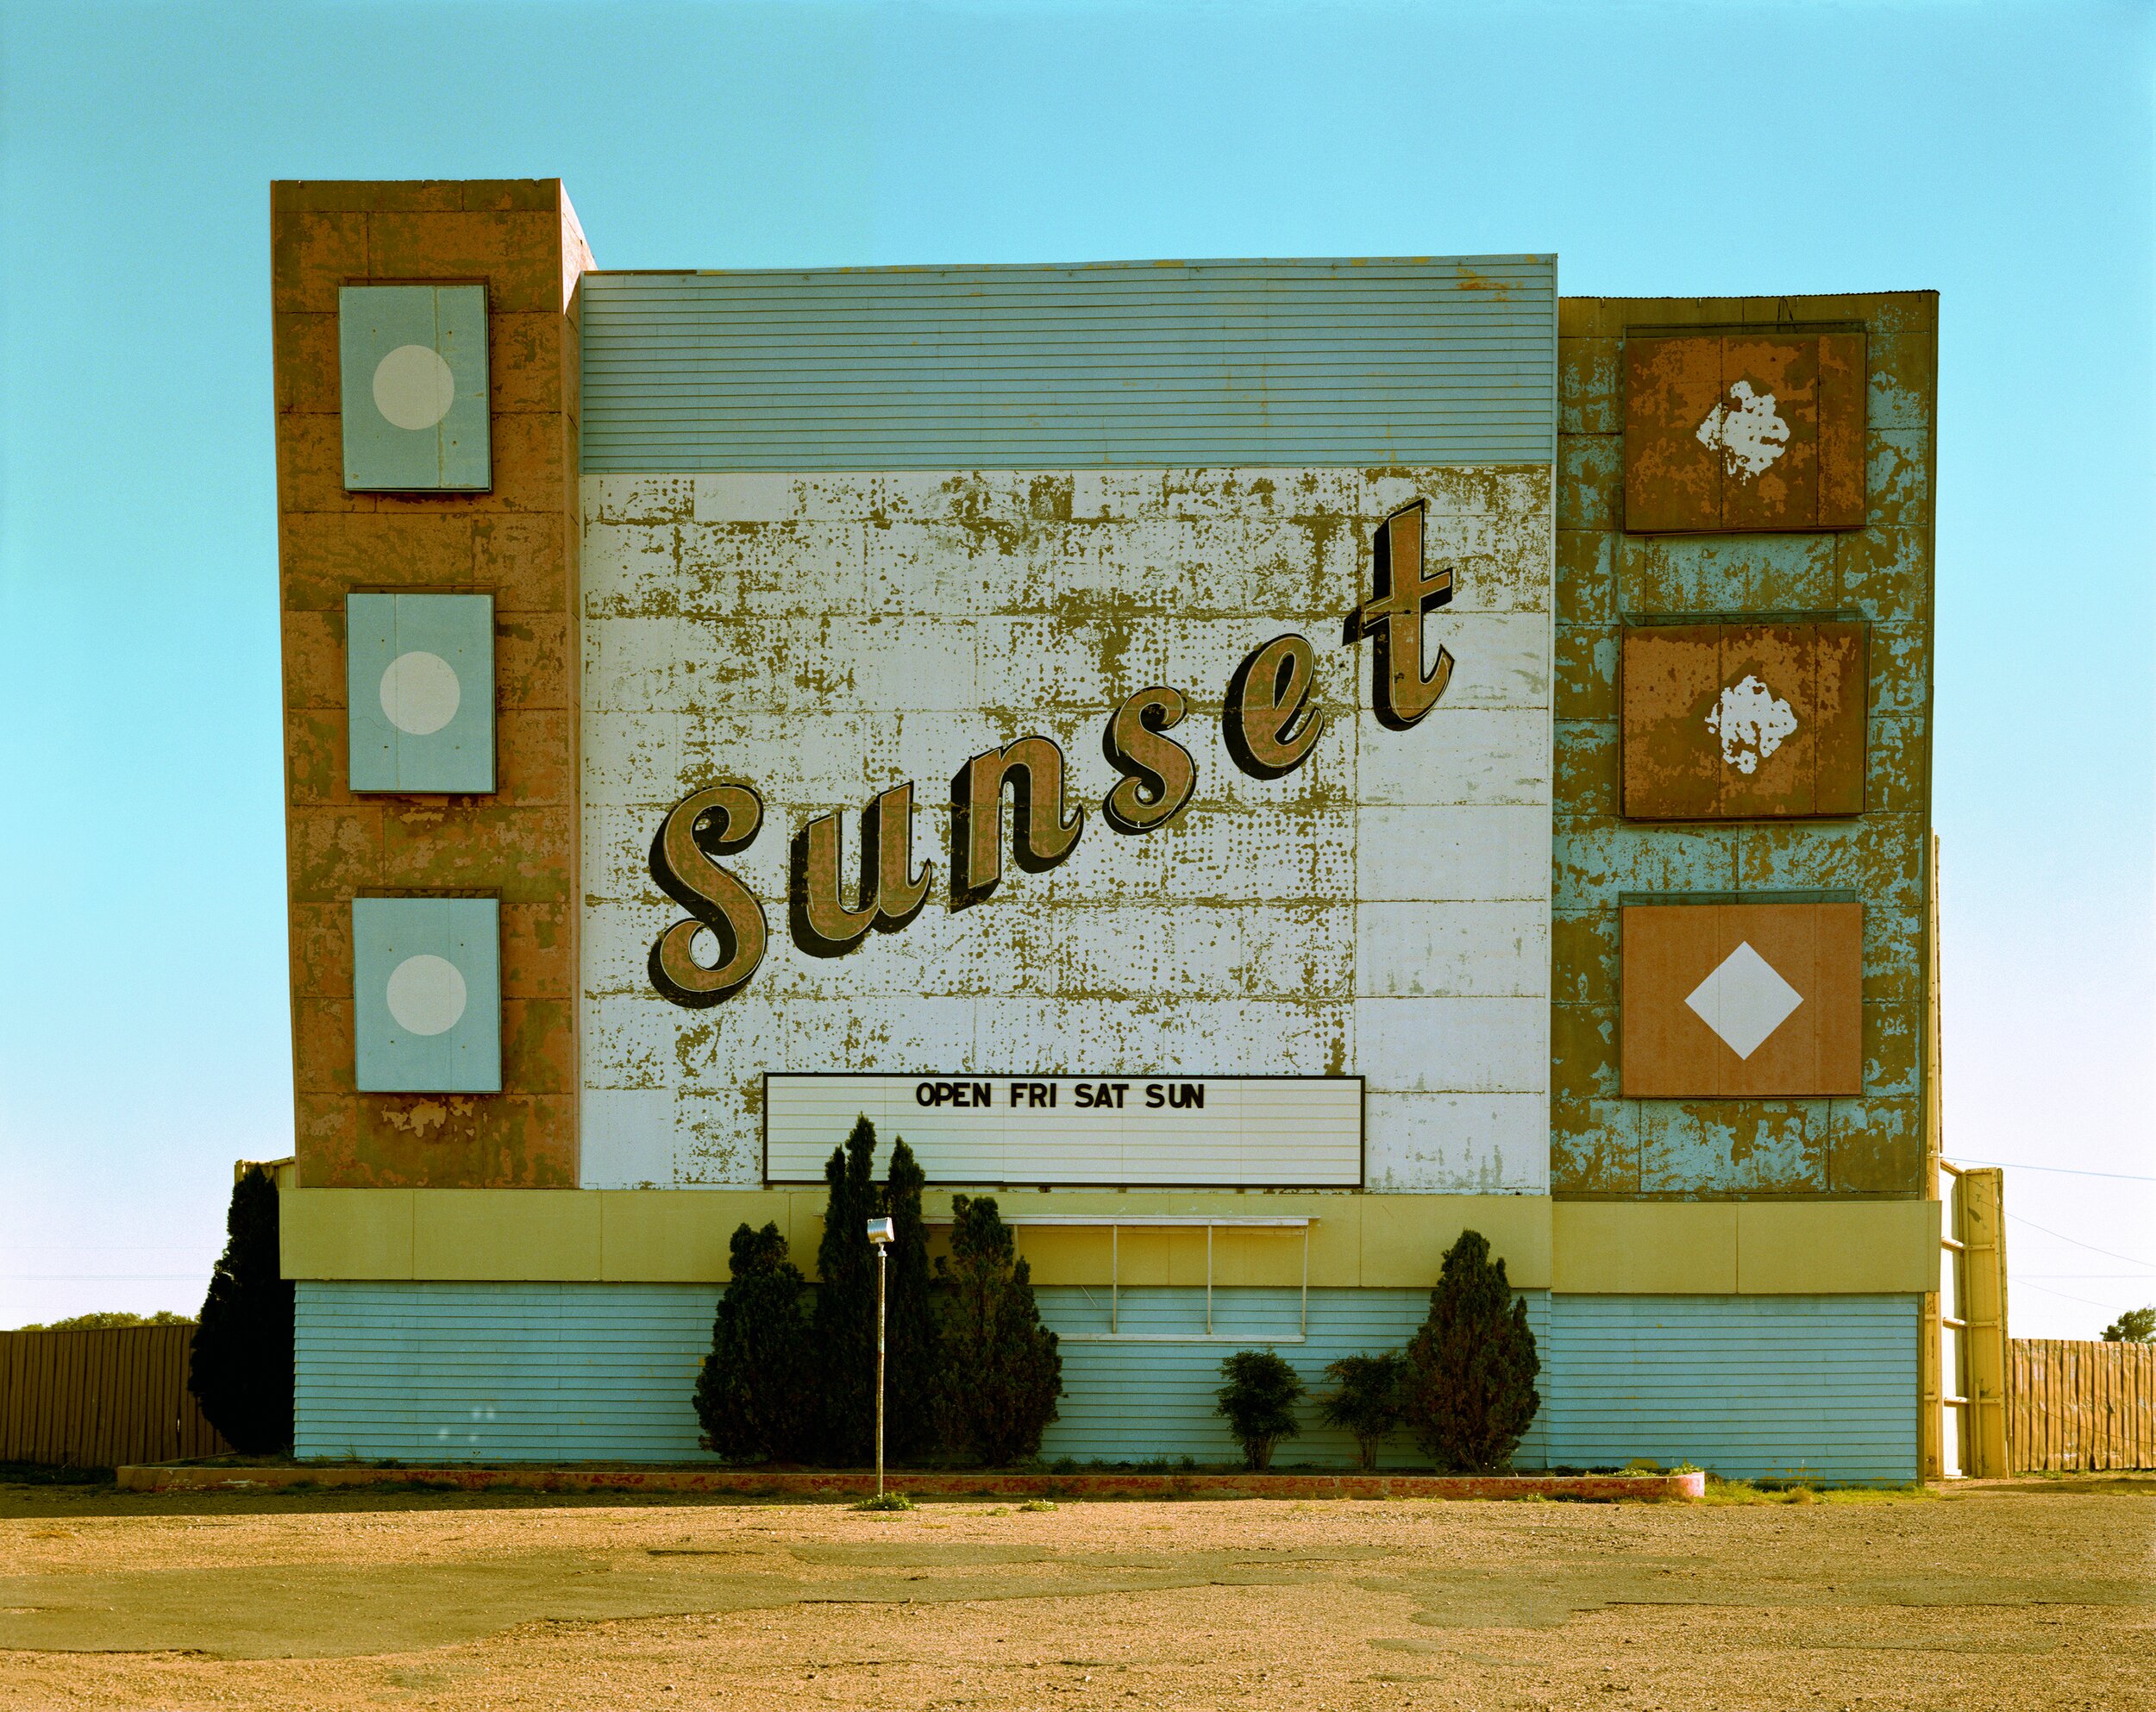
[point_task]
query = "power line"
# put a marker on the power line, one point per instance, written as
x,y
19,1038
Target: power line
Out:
x,y
2131,1259
2063,1171
2109,1308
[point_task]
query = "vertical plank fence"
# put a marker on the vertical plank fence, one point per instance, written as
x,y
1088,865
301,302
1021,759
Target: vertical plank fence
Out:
x,y
2081,1407
96,1399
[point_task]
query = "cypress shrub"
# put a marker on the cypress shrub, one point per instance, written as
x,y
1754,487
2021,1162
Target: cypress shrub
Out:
x,y
909,1316
1367,1403
241,1368
1001,1371
1470,1394
1259,1401
845,1317
753,1395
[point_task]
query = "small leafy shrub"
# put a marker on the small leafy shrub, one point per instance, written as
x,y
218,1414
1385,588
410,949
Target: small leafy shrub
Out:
x,y
2135,1325
754,1395
1001,1371
1367,1401
1469,1393
1036,1506
1258,1402
241,1367
886,1501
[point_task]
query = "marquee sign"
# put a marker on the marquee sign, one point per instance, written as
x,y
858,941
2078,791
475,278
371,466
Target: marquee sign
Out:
x,y
1257,1131
1267,725
1144,775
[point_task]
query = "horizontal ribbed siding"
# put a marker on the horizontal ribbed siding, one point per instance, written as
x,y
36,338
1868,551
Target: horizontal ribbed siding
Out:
x,y
521,1372
1131,1402
500,1372
1749,1387
1421,361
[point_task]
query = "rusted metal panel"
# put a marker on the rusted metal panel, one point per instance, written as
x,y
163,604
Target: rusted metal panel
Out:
x,y
1758,721
1766,434
1668,676
1724,1001
1672,478
1744,431
1843,395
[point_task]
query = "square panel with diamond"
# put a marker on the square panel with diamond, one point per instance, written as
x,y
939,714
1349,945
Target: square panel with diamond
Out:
x,y
1729,1001
1743,721
1744,430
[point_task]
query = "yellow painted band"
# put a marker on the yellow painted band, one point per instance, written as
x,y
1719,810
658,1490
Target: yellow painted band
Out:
x,y
1355,1240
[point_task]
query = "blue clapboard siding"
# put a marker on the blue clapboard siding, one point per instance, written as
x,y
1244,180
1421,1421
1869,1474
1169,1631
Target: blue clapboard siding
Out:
x,y
1749,1387
520,1372
1445,360
1134,1401
535,1372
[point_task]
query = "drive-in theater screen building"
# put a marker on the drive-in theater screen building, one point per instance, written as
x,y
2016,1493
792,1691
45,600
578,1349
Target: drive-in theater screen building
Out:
x,y
1260,765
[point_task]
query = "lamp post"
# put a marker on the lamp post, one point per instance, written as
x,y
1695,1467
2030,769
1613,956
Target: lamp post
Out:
x,y
880,1234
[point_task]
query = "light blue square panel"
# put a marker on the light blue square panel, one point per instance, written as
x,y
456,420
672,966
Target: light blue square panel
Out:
x,y
419,691
413,359
427,994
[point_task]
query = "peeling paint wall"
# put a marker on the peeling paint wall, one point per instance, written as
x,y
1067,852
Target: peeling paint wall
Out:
x,y
1602,1144
516,542
1383,910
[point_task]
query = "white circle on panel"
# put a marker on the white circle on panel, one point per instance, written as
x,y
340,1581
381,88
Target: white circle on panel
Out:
x,y
704,949
426,994
413,388
420,692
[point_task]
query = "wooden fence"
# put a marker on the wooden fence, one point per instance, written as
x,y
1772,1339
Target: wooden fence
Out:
x,y
2081,1406
100,1398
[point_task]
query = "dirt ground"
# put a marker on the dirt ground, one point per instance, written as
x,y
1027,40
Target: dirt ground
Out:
x,y
2022,1595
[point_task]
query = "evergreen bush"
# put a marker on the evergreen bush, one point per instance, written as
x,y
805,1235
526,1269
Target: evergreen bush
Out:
x,y
2135,1325
1469,1394
754,1395
909,1383
1367,1402
1000,1370
241,1368
845,1316
1259,1402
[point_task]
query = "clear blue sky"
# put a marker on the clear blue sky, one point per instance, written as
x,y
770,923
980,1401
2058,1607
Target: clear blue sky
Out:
x,y
1999,153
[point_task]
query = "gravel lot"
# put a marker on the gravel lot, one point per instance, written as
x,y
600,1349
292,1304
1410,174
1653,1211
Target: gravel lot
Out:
x,y
2002,1594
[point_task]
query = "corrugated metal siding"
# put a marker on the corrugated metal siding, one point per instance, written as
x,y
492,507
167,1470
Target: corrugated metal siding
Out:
x,y
1424,359
525,1372
101,1396
1748,1387
1134,1401
511,1372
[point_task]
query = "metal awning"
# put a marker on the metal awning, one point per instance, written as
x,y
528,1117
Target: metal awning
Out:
x,y
1116,1223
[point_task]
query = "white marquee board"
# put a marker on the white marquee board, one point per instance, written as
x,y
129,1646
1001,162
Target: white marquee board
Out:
x,y
1253,1132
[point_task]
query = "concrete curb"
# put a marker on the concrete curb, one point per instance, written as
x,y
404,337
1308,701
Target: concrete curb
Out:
x,y
750,1483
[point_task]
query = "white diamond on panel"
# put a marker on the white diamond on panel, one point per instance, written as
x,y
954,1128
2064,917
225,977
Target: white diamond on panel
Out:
x,y
1752,720
1744,1001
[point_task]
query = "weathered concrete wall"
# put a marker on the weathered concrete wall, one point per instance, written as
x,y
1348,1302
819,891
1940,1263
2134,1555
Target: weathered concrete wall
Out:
x,y
1605,1145
518,542
1383,910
